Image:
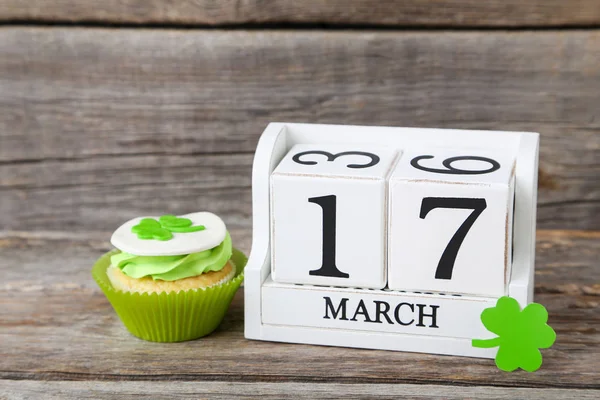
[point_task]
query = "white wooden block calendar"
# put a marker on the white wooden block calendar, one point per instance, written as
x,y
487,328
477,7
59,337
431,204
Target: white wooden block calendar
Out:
x,y
388,238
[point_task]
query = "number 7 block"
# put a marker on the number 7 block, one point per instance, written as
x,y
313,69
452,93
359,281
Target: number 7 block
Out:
x,y
450,222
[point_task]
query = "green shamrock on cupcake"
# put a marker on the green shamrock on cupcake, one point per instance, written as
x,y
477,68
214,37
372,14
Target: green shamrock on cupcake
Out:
x,y
161,229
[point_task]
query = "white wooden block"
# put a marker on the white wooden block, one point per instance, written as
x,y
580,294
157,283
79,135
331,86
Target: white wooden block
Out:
x,y
450,221
374,340
374,310
328,215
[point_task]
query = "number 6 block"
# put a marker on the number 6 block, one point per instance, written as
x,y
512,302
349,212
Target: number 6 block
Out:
x,y
328,215
450,222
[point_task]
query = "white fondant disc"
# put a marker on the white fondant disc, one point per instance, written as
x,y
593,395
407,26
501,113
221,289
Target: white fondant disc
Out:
x,y
181,243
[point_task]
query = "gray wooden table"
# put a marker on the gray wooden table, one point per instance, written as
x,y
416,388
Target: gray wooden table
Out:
x,y
115,109
61,338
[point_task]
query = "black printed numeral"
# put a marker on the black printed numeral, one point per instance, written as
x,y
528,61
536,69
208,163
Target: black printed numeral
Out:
x,y
447,163
328,268
446,263
331,157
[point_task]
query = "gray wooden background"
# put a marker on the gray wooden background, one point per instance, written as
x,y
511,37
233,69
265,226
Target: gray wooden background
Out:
x,y
117,108
99,123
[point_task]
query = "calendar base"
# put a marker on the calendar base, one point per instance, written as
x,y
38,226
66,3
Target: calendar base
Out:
x,y
378,341
434,323
414,322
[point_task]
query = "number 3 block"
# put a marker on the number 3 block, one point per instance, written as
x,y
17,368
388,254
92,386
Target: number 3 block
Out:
x,y
328,215
450,222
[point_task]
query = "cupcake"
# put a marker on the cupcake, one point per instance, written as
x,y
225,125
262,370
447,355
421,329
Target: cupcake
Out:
x,y
171,278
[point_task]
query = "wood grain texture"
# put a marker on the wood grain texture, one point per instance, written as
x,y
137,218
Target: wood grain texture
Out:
x,y
56,325
389,13
100,193
97,125
61,390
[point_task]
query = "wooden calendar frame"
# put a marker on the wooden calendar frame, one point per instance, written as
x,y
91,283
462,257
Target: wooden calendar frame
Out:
x,y
273,145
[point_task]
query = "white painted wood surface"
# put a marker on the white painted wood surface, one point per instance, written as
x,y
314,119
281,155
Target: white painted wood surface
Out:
x,y
276,141
374,310
329,216
450,230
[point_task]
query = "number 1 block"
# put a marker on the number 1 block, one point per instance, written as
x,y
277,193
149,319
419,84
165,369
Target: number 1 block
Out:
x,y
328,215
450,222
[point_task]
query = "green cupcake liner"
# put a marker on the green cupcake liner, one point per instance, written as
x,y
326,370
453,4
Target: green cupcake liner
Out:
x,y
173,316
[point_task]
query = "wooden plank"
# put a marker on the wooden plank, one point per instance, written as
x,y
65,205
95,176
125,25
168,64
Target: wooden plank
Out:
x,y
66,390
75,96
56,325
454,13
73,93
101,193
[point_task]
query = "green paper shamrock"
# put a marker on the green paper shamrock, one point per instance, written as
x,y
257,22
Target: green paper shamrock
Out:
x,y
149,228
176,224
520,334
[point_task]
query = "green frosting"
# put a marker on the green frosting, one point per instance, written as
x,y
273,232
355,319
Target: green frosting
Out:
x,y
171,268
